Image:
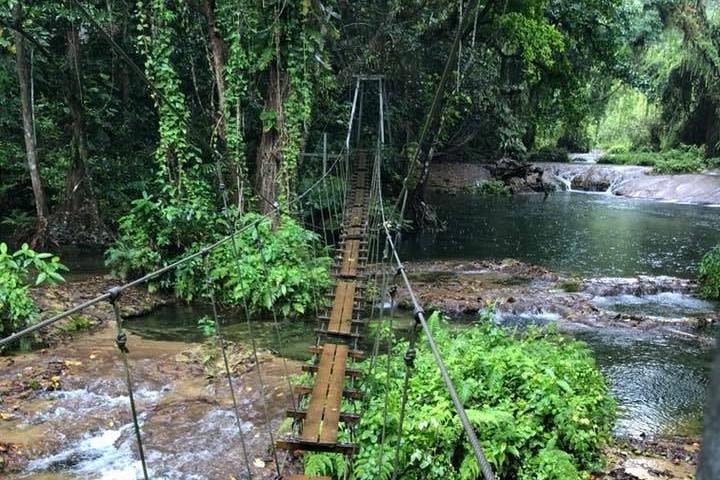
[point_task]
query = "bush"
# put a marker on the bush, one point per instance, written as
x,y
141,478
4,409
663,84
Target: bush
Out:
x,y
550,154
686,159
490,187
712,162
273,269
18,272
645,159
538,402
709,274
156,232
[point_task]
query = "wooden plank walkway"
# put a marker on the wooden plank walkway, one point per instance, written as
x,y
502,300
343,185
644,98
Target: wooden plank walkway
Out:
x,y
322,416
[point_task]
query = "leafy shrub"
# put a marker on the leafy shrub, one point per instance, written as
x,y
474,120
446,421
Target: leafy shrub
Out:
x,y
712,162
615,149
276,269
645,159
570,285
550,154
709,274
156,232
490,187
18,272
686,159
538,402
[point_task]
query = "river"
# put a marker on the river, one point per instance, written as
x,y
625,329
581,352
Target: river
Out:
x,y
659,380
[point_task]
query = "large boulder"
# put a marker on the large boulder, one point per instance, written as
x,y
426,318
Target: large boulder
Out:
x,y
520,176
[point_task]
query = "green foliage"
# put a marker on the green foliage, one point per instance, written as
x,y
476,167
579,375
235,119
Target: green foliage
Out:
x,y
645,159
490,187
266,269
206,325
688,159
18,272
709,274
570,285
537,400
550,154
157,232
76,324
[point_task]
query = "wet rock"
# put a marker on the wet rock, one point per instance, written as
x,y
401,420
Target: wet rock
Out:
x,y
640,285
53,299
520,176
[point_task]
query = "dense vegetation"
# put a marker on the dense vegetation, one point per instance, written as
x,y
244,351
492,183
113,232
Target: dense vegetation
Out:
x,y
121,117
686,159
709,274
18,272
541,404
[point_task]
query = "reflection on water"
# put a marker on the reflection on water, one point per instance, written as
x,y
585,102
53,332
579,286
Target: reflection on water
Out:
x,y
179,323
573,232
659,381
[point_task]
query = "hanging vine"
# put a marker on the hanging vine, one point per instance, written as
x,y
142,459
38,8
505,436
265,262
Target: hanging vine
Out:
x,y
237,20
176,159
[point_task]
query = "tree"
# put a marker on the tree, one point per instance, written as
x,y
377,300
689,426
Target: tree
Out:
x,y
28,122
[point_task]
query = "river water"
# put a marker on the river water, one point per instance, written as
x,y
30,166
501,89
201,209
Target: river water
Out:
x,y
587,234
658,379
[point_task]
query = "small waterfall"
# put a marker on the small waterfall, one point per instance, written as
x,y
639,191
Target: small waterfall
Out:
x,y
566,182
614,184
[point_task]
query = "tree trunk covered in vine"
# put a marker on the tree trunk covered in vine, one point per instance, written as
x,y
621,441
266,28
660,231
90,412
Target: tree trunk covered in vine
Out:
x,y
269,154
77,219
217,48
28,127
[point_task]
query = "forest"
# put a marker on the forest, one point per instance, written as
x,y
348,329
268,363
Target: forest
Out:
x,y
550,170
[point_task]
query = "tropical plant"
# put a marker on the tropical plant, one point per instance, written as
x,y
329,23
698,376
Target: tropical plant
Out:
x,y
540,404
19,272
268,268
709,274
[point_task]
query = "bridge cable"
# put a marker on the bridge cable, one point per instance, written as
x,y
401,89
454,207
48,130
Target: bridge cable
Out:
x,y
420,321
121,342
228,374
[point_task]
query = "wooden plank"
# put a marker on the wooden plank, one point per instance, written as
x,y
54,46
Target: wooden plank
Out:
x,y
294,443
343,289
313,421
354,354
331,416
347,309
350,256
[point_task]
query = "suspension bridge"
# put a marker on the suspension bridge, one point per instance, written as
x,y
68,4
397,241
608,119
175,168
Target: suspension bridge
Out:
x,y
366,235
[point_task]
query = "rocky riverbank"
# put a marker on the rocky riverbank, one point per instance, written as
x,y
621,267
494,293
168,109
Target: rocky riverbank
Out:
x,y
523,293
628,181
54,299
64,410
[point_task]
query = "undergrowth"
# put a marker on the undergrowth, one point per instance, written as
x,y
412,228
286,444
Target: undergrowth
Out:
x,y
687,159
709,274
539,404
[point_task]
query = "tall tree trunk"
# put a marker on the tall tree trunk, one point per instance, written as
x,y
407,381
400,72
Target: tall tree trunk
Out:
x,y
28,130
269,154
77,219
